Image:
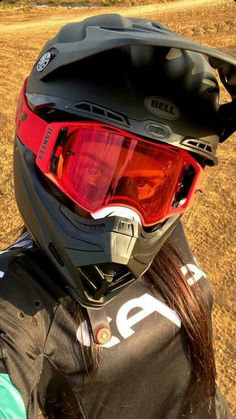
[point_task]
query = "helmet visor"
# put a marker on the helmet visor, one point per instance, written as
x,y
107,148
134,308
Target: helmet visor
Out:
x,y
97,165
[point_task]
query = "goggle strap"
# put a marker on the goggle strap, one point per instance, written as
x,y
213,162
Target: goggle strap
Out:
x,y
29,126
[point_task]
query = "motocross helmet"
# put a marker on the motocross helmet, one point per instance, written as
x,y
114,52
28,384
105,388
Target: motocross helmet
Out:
x,y
114,126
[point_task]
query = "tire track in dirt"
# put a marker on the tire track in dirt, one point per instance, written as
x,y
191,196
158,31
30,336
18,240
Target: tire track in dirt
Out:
x,y
137,11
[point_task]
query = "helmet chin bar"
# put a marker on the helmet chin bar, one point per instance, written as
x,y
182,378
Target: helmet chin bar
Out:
x,y
101,279
127,252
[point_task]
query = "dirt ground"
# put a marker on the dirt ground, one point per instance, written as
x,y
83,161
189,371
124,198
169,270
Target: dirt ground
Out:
x,y
211,224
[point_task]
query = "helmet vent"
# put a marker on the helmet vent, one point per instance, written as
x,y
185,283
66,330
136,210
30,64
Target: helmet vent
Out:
x,y
100,111
198,144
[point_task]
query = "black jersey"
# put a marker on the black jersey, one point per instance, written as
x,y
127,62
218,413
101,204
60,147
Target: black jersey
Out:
x,y
143,371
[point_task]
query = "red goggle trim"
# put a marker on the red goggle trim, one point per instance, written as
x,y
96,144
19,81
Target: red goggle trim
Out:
x,y
121,155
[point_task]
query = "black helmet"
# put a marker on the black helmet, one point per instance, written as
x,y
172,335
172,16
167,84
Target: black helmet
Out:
x,y
127,79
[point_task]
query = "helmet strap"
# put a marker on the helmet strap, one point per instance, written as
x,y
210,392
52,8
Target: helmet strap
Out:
x,y
99,325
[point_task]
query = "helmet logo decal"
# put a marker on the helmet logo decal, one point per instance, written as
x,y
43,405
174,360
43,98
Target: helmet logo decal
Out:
x,y
157,130
162,107
44,61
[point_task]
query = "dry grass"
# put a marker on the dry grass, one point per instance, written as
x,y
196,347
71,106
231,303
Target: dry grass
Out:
x,y
211,224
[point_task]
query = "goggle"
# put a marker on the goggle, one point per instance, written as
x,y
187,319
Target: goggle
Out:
x,y
97,166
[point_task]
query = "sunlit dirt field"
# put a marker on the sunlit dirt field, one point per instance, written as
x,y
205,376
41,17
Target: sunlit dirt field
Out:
x,y
211,224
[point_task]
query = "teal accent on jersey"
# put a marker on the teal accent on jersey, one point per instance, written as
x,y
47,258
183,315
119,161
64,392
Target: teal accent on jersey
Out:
x,y
11,402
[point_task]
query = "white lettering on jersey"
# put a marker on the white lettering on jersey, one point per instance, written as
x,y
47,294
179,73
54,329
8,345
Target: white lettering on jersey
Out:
x,y
196,272
147,304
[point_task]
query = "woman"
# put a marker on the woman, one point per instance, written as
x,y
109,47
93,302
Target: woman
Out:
x,y
104,311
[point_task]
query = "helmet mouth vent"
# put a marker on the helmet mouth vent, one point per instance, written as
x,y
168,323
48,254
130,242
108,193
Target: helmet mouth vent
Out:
x,y
99,280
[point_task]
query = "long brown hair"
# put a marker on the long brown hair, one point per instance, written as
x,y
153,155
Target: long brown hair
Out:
x,y
193,305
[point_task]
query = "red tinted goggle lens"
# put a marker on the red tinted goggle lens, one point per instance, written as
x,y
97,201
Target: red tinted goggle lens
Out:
x,y
98,166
